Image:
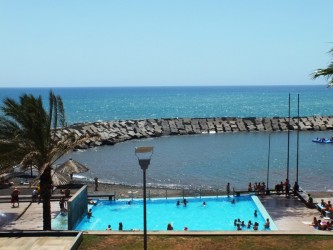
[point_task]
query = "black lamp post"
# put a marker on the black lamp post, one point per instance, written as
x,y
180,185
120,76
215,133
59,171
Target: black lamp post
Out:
x,y
144,155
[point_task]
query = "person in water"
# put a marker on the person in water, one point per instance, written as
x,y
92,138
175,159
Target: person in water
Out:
x,y
249,224
169,227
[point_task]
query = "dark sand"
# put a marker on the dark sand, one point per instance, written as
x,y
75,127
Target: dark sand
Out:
x,y
126,191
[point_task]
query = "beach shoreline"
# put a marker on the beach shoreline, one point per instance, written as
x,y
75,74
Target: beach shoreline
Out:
x,y
123,191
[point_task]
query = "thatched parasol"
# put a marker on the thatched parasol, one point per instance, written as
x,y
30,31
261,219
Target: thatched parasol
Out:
x,y
71,167
59,179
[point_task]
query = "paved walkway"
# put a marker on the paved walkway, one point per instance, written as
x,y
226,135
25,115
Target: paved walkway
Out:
x,y
37,243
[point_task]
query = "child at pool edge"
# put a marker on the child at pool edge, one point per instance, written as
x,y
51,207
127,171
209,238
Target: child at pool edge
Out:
x,y
109,228
169,227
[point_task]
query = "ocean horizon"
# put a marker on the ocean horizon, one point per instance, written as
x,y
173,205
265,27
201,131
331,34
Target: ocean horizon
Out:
x,y
201,161
118,103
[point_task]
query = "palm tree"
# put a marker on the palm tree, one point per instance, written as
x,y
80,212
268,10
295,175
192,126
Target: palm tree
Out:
x,y
327,73
28,137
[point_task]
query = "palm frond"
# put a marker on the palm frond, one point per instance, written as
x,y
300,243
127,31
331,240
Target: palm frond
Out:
x,y
61,112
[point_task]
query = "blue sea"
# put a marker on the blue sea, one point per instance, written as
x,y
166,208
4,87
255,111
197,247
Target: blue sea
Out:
x,y
202,161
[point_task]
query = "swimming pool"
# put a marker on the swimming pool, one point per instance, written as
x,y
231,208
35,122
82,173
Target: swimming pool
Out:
x,y
218,214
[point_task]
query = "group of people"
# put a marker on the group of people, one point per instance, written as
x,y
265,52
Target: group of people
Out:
x,y
322,225
284,187
326,207
258,188
241,224
255,226
184,203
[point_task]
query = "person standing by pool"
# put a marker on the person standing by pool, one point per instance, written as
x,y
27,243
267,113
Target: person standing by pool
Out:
x,y
250,187
309,203
296,188
15,197
228,189
120,226
62,203
96,183
89,214
34,195
255,213
267,224
287,188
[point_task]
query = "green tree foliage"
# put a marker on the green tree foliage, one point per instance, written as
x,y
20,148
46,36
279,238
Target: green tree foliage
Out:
x,y
28,137
326,72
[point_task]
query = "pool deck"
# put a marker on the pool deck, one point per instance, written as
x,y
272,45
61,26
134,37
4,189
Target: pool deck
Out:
x,y
289,214
28,216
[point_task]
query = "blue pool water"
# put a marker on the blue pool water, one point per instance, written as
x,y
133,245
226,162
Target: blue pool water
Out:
x,y
218,214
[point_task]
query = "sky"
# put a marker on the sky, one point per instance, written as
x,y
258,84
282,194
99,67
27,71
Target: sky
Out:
x,y
78,43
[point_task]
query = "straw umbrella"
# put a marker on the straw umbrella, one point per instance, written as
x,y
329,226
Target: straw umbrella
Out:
x,y
59,179
71,167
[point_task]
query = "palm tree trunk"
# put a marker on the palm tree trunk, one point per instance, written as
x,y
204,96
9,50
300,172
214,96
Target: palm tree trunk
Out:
x,y
46,187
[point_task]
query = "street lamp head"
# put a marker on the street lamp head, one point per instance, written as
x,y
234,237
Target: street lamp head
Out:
x,y
144,155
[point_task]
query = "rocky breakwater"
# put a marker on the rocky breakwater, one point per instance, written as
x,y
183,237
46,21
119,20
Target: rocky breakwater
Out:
x,y
110,133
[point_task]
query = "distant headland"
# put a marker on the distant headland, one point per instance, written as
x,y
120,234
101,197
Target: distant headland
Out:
x,y
112,132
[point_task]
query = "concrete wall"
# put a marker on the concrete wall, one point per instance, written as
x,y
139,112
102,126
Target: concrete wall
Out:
x,y
77,207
